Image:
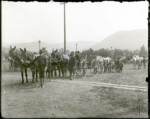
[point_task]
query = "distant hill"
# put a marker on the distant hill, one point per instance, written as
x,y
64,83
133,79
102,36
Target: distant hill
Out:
x,y
130,40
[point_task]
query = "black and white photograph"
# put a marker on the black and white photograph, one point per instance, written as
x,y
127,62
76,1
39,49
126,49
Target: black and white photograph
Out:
x,y
74,59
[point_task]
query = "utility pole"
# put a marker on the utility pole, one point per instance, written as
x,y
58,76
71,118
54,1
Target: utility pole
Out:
x,y
76,47
111,52
64,27
39,45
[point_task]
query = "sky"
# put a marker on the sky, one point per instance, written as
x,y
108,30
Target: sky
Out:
x,y
85,21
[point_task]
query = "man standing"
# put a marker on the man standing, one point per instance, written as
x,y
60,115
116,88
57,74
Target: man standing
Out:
x,y
42,66
77,59
72,64
84,66
144,62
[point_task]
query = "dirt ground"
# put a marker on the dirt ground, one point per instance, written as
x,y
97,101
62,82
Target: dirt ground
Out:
x,y
59,98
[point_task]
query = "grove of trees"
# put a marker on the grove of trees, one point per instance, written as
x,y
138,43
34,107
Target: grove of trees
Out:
x,y
113,53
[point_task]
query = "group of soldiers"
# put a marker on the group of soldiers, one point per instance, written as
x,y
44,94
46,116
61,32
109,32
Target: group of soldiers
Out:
x,y
43,64
74,63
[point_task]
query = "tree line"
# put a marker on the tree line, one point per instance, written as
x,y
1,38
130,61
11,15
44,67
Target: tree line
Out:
x,y
113,53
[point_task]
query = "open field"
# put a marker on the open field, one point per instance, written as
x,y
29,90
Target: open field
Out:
x,y
77,98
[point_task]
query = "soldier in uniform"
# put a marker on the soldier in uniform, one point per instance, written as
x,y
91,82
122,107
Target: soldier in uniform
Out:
x,y
49,66
144,62
72,64
42,66
117,64
84,66
53,63
77,58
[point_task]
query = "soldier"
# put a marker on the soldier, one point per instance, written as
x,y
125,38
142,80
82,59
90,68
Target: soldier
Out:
x,y
53,63
42,67
117,64
144,62
77,59
49,68
84,66
72,64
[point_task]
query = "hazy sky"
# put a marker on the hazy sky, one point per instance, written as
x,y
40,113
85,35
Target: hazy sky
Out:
x,y
87,21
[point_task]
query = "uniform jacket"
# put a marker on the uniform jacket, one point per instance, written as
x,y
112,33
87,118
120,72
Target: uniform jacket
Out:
x,y
72,61
42,61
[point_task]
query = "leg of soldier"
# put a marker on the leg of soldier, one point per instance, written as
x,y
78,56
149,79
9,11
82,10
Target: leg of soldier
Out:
x,y
33,74
84,72
59,71
49,74
40,75
69,72
36,71
55,72
22,75
43,73
26,74
63,71
70,75
73,72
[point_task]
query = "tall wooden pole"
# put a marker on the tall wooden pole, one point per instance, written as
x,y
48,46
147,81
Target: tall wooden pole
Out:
x,y
64,28
39,45
76,47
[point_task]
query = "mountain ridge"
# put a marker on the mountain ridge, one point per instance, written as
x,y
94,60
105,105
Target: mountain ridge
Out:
x,y
130,40
124,39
